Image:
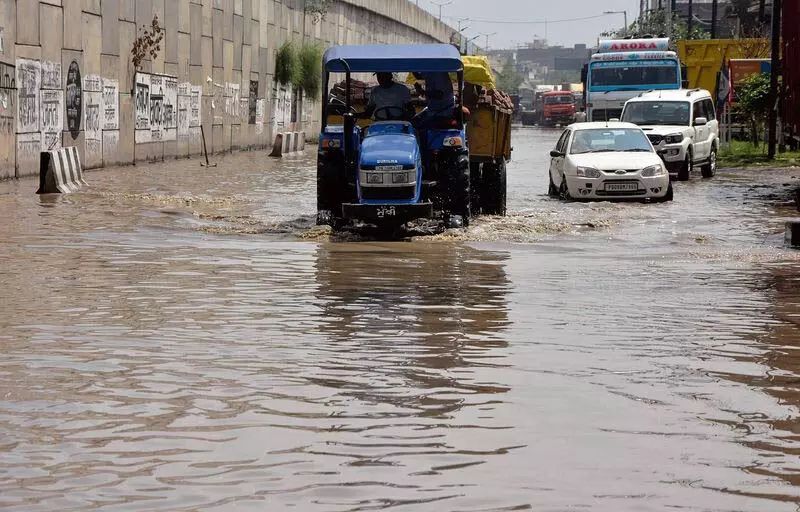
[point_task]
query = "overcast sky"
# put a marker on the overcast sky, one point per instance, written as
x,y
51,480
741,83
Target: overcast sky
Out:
x,y
564,33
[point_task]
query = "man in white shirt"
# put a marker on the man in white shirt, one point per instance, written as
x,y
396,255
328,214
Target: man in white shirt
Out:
x,y
388,100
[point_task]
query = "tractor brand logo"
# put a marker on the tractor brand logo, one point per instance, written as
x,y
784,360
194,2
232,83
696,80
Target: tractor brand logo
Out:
x,y
387,161
634,46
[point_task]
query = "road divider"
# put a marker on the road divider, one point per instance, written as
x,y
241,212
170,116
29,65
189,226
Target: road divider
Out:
x,y
60,171
287,143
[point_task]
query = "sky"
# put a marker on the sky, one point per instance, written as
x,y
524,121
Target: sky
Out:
x,y
484,14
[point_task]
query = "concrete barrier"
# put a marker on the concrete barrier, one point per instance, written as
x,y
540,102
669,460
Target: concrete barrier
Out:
x,y
793,233
287,143
60,171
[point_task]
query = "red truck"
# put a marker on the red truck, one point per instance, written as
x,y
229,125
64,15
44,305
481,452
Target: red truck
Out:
x,y
559,108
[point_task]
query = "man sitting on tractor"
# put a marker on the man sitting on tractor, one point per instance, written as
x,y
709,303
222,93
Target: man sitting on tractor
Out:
x,y
441,101
388,100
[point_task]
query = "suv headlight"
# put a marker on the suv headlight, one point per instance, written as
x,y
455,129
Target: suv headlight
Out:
x,y
588,172
652,171
674,138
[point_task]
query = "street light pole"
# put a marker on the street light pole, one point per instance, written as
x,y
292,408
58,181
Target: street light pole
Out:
x,y
625,14
440,5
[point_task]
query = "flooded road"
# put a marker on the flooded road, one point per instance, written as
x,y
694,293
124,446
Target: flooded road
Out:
x,y
184,338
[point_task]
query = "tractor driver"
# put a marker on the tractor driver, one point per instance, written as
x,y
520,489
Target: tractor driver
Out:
x,y
388,100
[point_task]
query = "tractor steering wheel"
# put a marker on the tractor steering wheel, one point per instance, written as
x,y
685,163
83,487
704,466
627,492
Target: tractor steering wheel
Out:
x,y
389,116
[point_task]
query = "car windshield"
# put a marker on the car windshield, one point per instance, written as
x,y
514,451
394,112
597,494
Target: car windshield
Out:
x,y
657,113
556,100
603,140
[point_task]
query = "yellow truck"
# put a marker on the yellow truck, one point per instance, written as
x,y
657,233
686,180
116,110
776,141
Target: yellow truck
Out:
x,y
703,57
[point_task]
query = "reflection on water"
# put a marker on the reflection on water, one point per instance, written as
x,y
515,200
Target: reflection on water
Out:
x,y
568,357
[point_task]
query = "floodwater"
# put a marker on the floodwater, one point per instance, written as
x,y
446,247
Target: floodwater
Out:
x,y
183,338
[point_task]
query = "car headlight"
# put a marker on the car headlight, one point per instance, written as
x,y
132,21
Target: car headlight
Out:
x,y
674,138
653,171
588,172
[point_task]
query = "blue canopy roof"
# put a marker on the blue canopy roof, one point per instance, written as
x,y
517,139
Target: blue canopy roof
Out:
x,y
395,58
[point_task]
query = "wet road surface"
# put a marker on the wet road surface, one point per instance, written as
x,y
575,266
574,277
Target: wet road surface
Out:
x,y
184,338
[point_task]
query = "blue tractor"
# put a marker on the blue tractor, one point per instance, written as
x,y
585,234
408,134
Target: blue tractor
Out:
x,y
392,171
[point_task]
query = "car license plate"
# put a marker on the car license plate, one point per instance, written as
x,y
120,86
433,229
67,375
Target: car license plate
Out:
x,y
621,187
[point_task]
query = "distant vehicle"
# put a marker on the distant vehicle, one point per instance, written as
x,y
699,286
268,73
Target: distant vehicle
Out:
x,y
682,126
558,108
624,68
607,160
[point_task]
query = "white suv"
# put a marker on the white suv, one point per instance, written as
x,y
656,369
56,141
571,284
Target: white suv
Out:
x,y
682,125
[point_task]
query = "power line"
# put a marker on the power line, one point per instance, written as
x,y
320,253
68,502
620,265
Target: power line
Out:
x,y
536,22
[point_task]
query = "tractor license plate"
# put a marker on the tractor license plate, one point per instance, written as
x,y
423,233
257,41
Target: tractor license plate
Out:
x,y
389,168
385,211
621,187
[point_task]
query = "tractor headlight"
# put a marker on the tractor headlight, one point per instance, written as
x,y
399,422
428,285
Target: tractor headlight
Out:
x,y
673,138
588,172
374,178
653,171
452,142
399,178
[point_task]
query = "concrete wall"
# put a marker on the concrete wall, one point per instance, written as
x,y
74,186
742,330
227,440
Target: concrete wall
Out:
x,y
66,77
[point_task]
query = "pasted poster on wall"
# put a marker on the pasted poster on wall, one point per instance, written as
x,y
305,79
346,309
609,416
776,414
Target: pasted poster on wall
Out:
x,y
74,100
8,103
253,98
142,106
51,75
170,111
233,95
52,106
93,107
184,100
156,106
195,106
260,104
29,81
110,104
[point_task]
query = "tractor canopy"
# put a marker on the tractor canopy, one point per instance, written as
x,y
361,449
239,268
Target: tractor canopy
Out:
x,y
393,58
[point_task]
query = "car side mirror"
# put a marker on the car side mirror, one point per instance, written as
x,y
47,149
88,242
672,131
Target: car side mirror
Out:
x,y
700,121
556,154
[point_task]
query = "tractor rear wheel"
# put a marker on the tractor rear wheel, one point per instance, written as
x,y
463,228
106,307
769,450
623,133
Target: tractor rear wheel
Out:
x,y
493,188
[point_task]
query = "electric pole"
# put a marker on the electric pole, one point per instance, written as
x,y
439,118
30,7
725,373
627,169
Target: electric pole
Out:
x,y
773,84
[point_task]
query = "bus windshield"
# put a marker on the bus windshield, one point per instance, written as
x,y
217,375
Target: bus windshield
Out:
x,y
606,76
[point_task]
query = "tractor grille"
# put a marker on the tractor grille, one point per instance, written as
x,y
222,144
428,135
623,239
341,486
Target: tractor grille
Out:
x,y
388,193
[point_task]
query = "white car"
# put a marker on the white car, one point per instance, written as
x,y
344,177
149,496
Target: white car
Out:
x,y
607,160
665,117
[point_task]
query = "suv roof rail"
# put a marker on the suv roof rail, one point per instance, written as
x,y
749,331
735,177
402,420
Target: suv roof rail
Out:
x,y
690,91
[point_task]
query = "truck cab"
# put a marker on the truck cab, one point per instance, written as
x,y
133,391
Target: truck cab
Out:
x,y
558,107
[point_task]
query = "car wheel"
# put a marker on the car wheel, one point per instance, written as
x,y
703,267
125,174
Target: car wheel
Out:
x,y
563,190
667,196
710,169
686,169
552,190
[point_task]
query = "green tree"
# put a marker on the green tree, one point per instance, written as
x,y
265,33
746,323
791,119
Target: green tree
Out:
x,y
508,80
752,103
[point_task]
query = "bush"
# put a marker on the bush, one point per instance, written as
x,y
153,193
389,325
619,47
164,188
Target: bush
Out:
x,y
310,67
286,64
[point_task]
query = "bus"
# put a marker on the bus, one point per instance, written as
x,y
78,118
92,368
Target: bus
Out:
x,y
624,68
